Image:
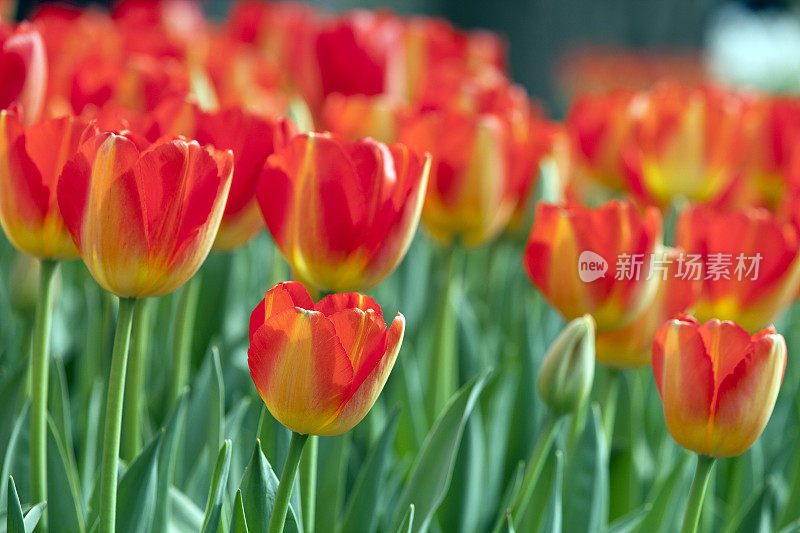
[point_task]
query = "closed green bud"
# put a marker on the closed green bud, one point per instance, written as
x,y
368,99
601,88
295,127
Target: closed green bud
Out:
x,y
566,375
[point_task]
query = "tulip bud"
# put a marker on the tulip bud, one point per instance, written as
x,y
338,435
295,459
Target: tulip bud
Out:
x,y
566,375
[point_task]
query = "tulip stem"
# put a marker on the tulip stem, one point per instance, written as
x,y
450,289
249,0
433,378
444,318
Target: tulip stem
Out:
x,y
308,482
444,369
697,493
113,423
134,396
534,468
184,329
610,404
40,367
281,505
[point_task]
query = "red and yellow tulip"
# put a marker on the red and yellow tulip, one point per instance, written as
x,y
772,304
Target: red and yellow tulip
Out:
x,y
610,233
357,116
31,160
751,263
320,367
686,143
144,218
23,70
717,383
343,214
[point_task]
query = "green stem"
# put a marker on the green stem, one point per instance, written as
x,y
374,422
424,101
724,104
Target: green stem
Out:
x,y
184,328
534,468
134,395
308,482
610,404
281,505
444,369
697,493
40,366
113,423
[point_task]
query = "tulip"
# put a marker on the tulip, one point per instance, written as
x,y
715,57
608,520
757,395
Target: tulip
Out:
x,y
23,69
568,243
685,145
567,372
320,367
598,126
31,160
718,384
343,214
251,139
632,345
751,264
358,116
144,220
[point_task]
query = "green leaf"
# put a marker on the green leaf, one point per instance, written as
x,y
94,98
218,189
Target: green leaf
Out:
x,y
216,407
586,479
89,457
167,459
186,517
663,499
334,453
360,515
33,516
136,496
629,522
64,503
259,486
407,523
239,522
15,521
11,391
554,514
430,476
58,401
11,447
217,490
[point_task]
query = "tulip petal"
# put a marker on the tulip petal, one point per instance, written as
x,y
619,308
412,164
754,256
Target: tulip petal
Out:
x,y
363,398
300,369
363,337
334,303
282,296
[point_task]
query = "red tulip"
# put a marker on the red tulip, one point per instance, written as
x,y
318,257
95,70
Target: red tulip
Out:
x,y
23,70
320,367
751,263
31,160
144,219
603,246
717,383
343,214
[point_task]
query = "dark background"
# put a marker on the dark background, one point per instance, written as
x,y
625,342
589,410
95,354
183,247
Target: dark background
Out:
x,y
541,31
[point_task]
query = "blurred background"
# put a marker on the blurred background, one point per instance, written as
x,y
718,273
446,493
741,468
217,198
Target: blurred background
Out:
x,y
746,43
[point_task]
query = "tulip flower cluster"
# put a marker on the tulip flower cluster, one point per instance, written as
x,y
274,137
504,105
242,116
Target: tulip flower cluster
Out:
x,y
155,145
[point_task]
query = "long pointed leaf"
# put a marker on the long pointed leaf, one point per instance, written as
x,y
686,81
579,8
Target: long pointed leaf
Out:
x,y
217,490
136,497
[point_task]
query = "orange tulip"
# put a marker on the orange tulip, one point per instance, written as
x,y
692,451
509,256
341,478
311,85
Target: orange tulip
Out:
x,y
686,143
320,367
573,251
717,383
751,263
358,116
31,160
343,214
23,70
632,345
144,220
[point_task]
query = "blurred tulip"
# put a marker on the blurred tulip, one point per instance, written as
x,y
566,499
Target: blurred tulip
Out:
x,y
320,367
751,264
598,126
251,139
361,52
572,248
31,160
343,214
567,371
23,70
144,219
686,143
632,345
358,116
717,383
